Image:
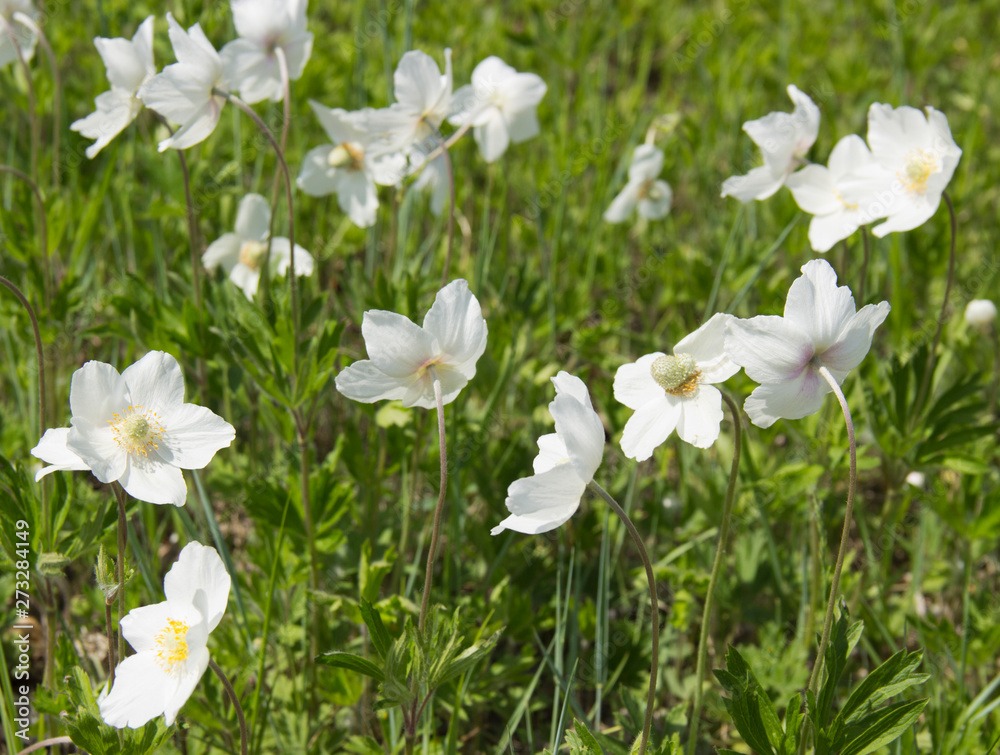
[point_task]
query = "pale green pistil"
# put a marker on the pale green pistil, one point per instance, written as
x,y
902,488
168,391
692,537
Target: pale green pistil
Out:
x,y
678,375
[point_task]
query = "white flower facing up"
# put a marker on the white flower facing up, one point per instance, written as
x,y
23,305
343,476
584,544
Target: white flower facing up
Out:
x,y
567,460
170,640
251,62
129,64
347,165
134,428
423,101
405,357
676,391
980,312
16,36
818,191
186,91
820,328
500,104
241,254
915,159
645,189
784,139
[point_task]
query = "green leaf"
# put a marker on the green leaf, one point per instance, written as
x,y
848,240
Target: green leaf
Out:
x,y
883,727
748,704
340,659
373,620
842,641
581,741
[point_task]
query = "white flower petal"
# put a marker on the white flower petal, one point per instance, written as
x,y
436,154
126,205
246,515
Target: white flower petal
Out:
x,y
96,391
224,252
651,424
364,382
854,339
522,125
95,444
816,306
317,178
577,424
623,205
281,255
656,203
492,138
456,321
814,190
252,69
552,452
115,110
154,481
247,278
155,382
194,669
768,348
192,436
52,449
634,385
199,567
759,183
142,624
708,347
141,692
396,345
357,196
542,502
701,416
827,230
647,162
794,399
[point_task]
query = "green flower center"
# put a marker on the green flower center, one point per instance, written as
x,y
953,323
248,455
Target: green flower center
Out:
x,y
136,431
921,164
678,375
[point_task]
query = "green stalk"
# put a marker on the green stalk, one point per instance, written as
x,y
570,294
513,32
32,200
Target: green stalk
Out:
x,y
236,704
435,533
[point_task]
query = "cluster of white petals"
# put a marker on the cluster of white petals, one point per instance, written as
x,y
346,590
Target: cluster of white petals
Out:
x,y
405,358
242,254
645,189
16,37
129,64
566,462
821,327
134,428
170,640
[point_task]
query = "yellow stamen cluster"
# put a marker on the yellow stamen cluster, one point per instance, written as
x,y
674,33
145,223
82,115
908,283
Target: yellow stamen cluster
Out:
x,y
649,190
171,645
921,164
252,254
136,430
678,375
346,155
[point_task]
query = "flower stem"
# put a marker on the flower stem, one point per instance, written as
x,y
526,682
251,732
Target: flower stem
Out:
x,y
848,518
236,704
655,659
26,20
112,661
286,104
122,531
727,514
925,382
864,266
435,533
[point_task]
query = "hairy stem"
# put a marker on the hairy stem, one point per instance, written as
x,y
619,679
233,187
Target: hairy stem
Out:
x,y
236,704
655,659
727,514
439,509
864,266
122,531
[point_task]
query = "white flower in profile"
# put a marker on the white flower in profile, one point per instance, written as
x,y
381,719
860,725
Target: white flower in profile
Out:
x,y
915,158
784,139
170,640
645,189
134,428
186,92
129,64
251,62
980,312
347,166
405,357
16,37
567,460
676,391
423,101
241,254
820,328
500,104
817,190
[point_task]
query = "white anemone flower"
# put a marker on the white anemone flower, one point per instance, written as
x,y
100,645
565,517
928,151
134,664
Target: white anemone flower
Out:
x,y
915,159
645,189
820,328
405,357
347,166
129,64
566,462
186,92
251,62
170,640
241,254
134,428
784,139
500,103
423,101
675,391
818,191
14,35
980,312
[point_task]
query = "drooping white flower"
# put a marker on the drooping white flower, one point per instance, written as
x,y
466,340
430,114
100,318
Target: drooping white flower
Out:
x,y
129,64
980,312
784,139
347,165
134,428
251,62
404,356
567,460
818,191
676,391
820,328
423,101
915,158
170,640
241,254
186,92
14,35
500,103
645,189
